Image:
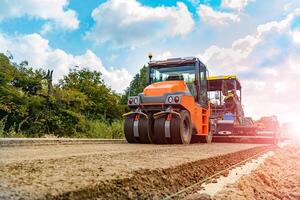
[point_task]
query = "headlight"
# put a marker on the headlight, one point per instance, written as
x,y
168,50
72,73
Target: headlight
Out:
x,y
170,99
133,101
173,99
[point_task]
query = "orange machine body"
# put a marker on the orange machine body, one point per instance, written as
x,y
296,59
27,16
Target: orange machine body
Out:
x,y
161,88
199,114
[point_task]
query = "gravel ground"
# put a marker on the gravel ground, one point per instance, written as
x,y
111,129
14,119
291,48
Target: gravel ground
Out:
x,y
278,178
96,171
11,142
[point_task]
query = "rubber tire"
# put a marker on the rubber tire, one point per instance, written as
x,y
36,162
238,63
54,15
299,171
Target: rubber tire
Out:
x,y
151,128
207,139
144,129
180,134
128,130
159,131
175,130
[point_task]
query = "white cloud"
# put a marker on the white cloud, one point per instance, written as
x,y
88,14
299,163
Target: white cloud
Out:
x,y
268,71
163,55
278,26
235,4
290,5
216,18
39,54
128,23
230,60
243,47
293,64
194,2
296,36
246,44
215,55
54,11
118,79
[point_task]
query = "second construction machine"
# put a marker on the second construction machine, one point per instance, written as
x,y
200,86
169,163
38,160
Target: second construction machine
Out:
x,y
227,115
176,108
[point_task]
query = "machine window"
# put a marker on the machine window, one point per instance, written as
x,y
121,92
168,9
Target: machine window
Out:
x,y
203,85
182,72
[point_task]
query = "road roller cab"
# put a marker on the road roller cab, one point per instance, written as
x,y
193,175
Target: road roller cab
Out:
x,y
174,107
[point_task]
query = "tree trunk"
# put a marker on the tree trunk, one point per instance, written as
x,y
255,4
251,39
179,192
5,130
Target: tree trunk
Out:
x,y
49,81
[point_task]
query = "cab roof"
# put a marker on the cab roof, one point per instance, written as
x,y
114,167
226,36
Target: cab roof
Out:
x,y
215,82
173,61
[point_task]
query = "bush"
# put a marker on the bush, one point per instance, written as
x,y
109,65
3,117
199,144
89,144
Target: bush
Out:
x,y
102,129
31,106
9,134
117,129
1,128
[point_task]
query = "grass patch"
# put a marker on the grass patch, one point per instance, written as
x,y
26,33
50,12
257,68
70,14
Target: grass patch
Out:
x,y
102,129
93,129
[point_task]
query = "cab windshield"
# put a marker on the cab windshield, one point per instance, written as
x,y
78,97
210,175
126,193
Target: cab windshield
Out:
x,y
169,73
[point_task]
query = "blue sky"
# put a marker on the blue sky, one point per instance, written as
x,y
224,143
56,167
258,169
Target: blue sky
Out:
x,y
256,39
74,41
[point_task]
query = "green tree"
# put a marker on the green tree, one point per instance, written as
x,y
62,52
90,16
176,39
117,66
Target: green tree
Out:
x,y
102,101
80,105
18,85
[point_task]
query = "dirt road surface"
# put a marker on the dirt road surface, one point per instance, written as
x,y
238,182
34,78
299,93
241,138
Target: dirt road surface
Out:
x,y
278,178
110,170
8,142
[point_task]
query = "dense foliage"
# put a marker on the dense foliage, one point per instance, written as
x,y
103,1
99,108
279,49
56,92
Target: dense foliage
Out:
x,y
81,105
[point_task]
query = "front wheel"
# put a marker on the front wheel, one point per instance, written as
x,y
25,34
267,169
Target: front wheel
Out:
x,y
128,129
159,131
181,128
207,138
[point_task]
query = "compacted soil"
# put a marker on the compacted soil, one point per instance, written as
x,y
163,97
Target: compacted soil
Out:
x,y
278,178
111,171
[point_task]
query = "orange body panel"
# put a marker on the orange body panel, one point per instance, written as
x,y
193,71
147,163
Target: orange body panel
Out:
x,y
199,115
160,88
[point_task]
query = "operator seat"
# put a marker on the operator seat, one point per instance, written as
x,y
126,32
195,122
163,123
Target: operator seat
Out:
x,y
174,77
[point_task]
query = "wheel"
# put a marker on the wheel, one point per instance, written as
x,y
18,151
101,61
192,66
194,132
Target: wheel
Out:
x,y
128,130
181,128
207,138
159,131
175,130
144,130
151,128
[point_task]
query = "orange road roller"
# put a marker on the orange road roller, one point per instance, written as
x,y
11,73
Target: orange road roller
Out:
x,y
174,108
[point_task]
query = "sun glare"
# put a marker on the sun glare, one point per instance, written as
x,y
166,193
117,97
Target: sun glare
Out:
x,y
295,129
